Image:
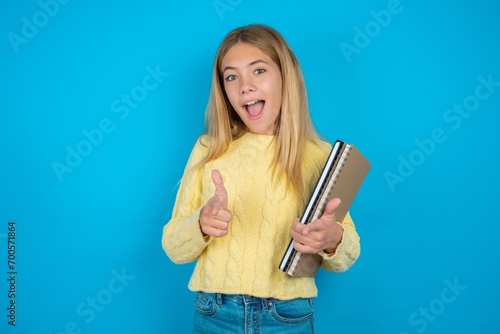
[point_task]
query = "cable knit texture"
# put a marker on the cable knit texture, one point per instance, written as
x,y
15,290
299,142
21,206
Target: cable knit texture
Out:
x,y
246,260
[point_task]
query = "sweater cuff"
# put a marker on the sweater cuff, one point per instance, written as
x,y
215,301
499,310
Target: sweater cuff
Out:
x,y
340,247
346,254
198,234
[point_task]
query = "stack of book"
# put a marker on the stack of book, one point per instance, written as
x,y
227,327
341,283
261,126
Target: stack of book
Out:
x,y
342,176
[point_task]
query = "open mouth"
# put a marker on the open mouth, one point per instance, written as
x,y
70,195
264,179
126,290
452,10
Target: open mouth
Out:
x,y
254,108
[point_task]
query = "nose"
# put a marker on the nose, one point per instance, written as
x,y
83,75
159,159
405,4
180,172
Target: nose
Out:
x,y
247,85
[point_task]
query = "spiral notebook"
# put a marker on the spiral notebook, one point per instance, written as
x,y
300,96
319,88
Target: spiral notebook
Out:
x,y
342,176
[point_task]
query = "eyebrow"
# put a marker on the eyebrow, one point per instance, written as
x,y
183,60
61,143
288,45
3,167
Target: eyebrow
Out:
x,y
251,64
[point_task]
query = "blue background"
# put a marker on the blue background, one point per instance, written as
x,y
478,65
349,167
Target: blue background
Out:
x,y
89,257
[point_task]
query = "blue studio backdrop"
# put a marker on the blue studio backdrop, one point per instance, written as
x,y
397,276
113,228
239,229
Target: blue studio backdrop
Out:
x,y
101,104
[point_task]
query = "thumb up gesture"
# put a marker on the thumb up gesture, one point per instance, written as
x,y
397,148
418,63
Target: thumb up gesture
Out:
x,y
214,216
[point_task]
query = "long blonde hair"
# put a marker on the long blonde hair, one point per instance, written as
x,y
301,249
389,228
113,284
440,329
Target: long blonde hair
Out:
x,y
294,127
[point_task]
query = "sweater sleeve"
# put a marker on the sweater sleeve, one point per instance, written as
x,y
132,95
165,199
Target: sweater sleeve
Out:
x,y
347,251
182,239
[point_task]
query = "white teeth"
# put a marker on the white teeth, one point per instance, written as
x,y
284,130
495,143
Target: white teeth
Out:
x,y
252,102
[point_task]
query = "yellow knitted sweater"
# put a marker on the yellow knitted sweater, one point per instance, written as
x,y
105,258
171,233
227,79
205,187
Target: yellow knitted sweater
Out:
x,y
246,260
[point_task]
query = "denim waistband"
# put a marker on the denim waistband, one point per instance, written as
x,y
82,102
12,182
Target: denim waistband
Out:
x,y
243,299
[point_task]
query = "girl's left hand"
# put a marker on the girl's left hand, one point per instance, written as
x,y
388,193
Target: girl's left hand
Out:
x,y
323,234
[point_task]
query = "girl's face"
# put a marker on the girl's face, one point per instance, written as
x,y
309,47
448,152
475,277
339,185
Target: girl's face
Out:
x,y
252,81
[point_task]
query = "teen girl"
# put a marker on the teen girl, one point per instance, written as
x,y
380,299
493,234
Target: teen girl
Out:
x,y
246,182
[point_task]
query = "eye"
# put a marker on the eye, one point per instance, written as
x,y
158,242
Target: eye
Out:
x,y
259,71
231,77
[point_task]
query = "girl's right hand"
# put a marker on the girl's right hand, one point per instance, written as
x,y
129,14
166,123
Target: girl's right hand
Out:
x,y
214,216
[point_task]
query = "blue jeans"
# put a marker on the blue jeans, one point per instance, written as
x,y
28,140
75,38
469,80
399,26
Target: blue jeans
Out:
x,y
219,313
